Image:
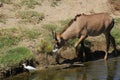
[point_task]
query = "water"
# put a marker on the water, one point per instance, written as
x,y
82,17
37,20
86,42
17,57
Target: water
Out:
x,y
94,70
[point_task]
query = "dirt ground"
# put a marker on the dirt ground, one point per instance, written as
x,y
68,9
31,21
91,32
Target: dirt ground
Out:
x,y
65,9
61,10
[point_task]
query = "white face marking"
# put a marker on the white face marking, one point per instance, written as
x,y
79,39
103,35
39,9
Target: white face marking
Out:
x,y
55,50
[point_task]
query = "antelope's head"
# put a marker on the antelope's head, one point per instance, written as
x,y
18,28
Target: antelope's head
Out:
x,y
58,41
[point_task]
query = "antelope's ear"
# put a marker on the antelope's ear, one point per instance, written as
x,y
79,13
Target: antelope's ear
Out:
x,y
54,35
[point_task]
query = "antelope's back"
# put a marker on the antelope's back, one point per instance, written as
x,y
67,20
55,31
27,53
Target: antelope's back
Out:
x,y
96,24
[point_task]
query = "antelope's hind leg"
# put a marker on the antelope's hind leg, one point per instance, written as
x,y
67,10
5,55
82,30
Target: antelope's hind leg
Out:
x,y
113,44
107,36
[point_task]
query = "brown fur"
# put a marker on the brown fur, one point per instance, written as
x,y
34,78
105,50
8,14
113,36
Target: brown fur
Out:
x,y
71,22
84,25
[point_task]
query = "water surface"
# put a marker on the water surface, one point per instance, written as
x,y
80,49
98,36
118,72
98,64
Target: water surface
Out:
x,y
94,70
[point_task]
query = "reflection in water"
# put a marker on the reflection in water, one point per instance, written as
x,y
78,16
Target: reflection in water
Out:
x,y
95,70
113,69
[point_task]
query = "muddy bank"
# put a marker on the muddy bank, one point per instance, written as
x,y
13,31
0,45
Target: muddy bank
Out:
x,y
16,69
93,70
94,51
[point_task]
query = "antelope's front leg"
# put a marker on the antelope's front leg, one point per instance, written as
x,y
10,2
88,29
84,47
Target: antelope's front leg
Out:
x,y
82,38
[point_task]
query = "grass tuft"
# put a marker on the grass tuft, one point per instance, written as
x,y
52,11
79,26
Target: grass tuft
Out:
x,y
55,3
12,36
14,55
116,31
50,26
6,1
30,3
2,18
8,37
117,21
116,34
44,47
30,33
30,16
64,22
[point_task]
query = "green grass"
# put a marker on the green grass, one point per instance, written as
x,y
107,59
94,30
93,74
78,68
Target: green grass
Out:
x,y
44,47
117,21
30,33
54,3
10,53
8,41
47,30
8,37
2,18
116,34
14,55
30,16
64,22
50,26
116,31
12,36
56,26
6,1
30,3
3,21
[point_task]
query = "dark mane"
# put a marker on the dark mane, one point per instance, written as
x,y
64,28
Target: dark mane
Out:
x,y
77,16
68,25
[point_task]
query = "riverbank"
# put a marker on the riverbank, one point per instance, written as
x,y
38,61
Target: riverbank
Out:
x,y
98,69
25,30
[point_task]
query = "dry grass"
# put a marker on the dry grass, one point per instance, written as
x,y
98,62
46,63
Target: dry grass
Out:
x,y
30,3
6,1
116,4
30,16
31,13
2,18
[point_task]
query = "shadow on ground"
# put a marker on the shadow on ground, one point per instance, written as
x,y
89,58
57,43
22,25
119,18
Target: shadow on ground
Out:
x,y
91,56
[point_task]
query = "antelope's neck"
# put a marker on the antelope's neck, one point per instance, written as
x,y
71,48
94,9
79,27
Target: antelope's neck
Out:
x,y
67,35
71,32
